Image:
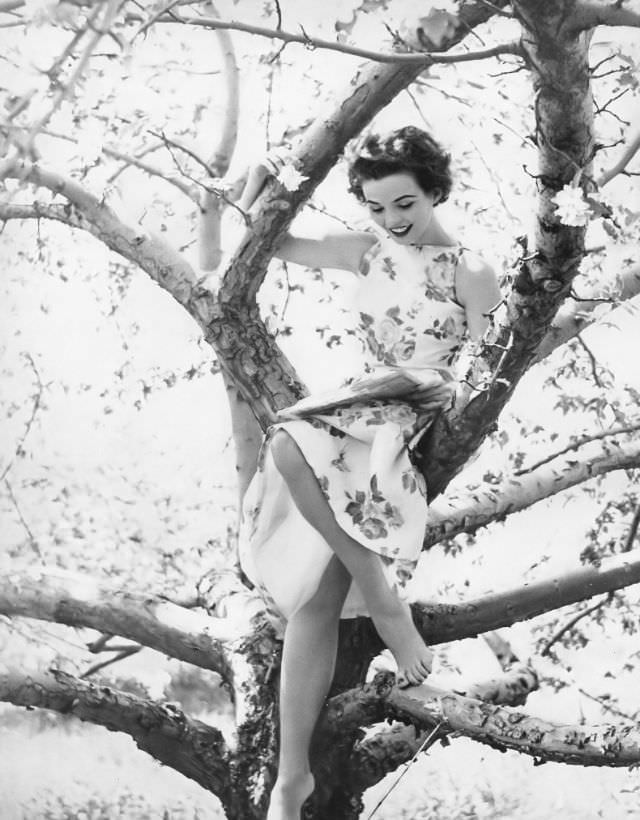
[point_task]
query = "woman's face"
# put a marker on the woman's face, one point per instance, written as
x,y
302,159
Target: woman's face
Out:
x,y
399,205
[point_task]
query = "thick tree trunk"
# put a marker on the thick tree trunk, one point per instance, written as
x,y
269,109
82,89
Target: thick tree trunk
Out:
x,y
558,59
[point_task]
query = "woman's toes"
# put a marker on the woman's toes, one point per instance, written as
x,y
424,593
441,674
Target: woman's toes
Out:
x,y
426,668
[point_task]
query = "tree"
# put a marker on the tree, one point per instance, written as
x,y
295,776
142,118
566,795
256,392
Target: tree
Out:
x,y
225,628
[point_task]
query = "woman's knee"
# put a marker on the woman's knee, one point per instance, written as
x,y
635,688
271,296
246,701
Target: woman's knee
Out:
x,y
286,454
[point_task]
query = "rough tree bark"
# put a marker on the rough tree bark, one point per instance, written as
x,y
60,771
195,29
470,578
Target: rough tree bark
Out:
x,y
245,651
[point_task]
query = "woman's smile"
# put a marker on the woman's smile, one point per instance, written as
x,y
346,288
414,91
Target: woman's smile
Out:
x,y
399,205
401,231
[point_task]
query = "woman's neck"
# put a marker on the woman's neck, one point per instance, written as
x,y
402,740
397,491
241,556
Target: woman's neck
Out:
x,y
435,235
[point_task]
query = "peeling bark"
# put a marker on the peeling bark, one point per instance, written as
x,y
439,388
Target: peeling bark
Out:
x,y
475,507
381,753
577,315
236,331
189,746
213,643
558,59
79,601
501,727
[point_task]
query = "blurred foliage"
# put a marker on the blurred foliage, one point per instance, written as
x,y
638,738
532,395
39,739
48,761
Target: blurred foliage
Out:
x,y
125,806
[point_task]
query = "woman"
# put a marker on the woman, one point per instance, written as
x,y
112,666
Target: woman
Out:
x,y
335,516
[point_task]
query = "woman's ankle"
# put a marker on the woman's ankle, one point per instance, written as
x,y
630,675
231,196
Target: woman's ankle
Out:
x,y
293,778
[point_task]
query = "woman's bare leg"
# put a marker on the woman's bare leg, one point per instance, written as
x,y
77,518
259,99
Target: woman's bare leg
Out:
x,y
308,665
391,618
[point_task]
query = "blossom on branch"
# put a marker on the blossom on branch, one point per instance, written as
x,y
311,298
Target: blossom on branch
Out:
x,y
290,177
572,207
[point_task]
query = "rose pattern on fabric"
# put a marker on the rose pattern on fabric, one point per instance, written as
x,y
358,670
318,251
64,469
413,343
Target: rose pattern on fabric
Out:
x,y
390,339
340,463
372,513
406,316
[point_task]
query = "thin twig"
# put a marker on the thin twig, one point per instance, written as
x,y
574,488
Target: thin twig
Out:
x,y
426,743
608,706
592,360
322,210
34,410
125,653
98,32
182,186
602,62
14,500
573,621
422,57
173,143
155,17
627,155
416,105
614,431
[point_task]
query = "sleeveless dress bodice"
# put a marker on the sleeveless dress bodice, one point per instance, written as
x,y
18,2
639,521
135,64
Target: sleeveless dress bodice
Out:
x,y
405,305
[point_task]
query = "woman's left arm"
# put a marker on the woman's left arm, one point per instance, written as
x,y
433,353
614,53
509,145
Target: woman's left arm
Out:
x,y
477,291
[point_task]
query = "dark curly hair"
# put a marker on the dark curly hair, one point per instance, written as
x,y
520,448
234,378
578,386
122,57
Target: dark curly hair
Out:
x,y
407,149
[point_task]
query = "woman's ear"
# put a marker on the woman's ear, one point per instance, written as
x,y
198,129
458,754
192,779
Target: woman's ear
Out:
x,y
437,196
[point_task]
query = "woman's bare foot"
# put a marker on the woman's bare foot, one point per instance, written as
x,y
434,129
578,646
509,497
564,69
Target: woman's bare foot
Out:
x,y
396,628
288,796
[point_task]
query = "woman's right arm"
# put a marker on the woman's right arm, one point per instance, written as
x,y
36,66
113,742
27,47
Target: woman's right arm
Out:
x,y
342,250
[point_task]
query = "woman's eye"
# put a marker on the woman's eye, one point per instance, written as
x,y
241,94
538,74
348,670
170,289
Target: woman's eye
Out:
x,y
405,207
375,210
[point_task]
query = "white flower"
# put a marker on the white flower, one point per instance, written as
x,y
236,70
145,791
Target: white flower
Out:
x,y
572,207
290,177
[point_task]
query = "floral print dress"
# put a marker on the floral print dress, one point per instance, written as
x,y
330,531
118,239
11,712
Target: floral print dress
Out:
x,y
407,316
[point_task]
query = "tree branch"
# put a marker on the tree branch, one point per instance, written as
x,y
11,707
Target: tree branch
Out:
x,y
10,5
423,59
245,349
478,506
583,613
84,210
576,315
179,183
190,747
440,623
588,15
37,400
79,601
625,158
500,727
211,206
564,135
98,30
215,643
382,752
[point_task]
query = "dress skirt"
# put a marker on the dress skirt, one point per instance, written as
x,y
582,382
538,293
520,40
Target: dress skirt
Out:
x,y
361,458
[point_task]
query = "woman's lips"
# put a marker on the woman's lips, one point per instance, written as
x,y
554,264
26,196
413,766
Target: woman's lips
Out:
x,y
400,231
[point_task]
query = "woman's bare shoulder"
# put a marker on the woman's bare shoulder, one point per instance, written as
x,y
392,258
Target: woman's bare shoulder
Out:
x,y
474,272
